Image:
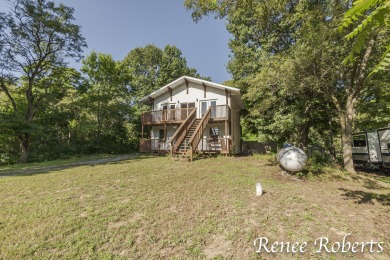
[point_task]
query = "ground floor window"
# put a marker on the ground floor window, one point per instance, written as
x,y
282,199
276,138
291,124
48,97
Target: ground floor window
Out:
x,y
161,134
214,131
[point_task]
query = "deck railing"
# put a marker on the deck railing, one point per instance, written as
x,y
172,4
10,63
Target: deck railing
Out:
x,y
166,116
220,111
198,134
181,132
145,145
149,145
215,144
220,144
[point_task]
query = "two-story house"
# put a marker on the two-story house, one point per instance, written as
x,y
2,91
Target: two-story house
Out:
x,y
191,115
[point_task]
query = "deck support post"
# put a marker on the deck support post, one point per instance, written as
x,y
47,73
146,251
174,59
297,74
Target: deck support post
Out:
x,y
165,135
227,102
227,134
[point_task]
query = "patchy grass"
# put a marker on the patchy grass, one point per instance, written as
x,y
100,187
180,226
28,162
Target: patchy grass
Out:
x,y
6,168
152,207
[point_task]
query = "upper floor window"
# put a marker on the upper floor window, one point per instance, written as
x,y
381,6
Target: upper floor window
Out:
x,y
204,105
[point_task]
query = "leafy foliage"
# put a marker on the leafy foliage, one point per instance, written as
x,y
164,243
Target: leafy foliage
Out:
x,y
288,61
374,111
105,102
35,38
92,112
370,15
149,68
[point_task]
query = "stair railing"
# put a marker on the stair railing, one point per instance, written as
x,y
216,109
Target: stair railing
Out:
x,y
198,134
180,133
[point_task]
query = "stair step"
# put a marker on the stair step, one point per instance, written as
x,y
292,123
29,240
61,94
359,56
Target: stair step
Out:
x,y
185,145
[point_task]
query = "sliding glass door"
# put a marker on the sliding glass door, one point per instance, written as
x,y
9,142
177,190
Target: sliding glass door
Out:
x,y
204,105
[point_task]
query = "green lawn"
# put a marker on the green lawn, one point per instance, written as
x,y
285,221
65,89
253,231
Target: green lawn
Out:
x,y
6,168
152,207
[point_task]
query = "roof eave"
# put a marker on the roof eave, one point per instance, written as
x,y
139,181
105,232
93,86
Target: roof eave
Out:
x,y
177,82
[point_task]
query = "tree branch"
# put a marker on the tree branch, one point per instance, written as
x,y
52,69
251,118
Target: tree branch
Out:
x,y
336,103
5,89
363,69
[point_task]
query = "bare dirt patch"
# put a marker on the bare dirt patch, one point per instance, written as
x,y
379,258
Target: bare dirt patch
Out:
x,y
219,246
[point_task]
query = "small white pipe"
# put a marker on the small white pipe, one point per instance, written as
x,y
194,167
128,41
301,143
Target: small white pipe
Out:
x,y
259,189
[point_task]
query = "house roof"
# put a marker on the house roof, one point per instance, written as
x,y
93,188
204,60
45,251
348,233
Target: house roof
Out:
x,y
235,92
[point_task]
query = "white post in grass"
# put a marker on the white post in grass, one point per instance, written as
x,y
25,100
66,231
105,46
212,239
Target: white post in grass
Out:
x,y
259,189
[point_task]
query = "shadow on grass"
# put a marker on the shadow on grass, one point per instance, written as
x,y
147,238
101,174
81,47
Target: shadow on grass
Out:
x,y
206,156
363,197
271,164
372,185
371,182
92,163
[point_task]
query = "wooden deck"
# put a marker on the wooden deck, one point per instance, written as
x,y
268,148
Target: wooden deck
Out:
x,y
188,119
177,116
168,116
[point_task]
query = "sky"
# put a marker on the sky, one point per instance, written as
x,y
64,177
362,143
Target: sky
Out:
x,y
118,26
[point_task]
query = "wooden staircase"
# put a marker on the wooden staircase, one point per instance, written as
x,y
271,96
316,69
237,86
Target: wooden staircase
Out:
x,y
185,141
185,145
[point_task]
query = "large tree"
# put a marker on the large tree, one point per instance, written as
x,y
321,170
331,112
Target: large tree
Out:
x,y
106,97
143,65
150,68
297,30
36,38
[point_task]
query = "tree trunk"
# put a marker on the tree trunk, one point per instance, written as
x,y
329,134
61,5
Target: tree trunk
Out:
x,y
331,147
69,134
25,148
98,118
346,128
304,136
346,114
25,139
